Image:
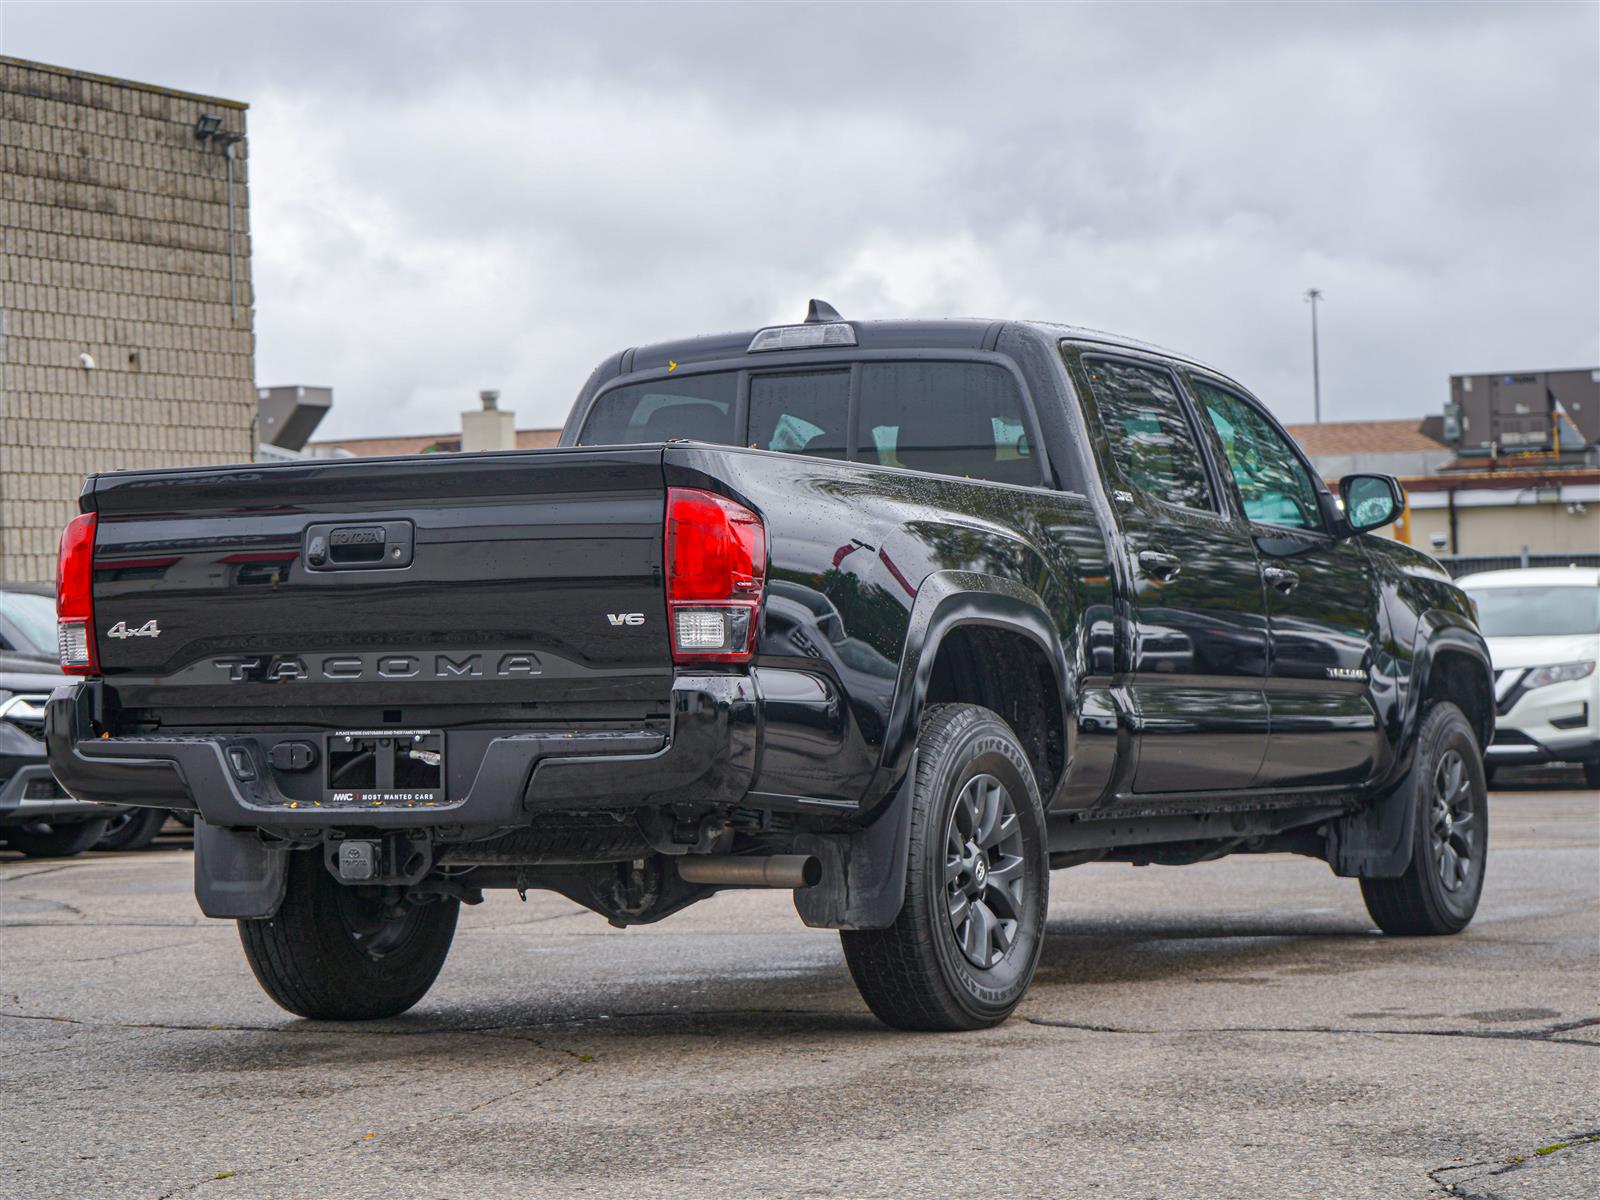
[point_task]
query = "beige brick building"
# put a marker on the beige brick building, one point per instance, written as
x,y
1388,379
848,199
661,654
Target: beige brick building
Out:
x,y
126,336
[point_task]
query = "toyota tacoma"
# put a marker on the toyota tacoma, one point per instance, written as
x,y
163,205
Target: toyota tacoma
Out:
x,y
900,616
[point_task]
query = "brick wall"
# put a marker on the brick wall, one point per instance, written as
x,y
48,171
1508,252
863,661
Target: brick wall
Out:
x,y
113,243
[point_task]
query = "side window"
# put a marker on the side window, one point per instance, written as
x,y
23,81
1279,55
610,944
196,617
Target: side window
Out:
x,y
800,414
694,406
949,418
1275,487
1151,439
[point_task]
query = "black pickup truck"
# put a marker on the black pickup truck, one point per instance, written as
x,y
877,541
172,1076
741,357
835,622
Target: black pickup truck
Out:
x,y
899,615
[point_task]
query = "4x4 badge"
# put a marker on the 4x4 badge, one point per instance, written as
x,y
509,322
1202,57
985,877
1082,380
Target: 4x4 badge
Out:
x,y
121,630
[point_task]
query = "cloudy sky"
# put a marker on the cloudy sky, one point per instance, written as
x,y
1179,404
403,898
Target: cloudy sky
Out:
x,y
449,197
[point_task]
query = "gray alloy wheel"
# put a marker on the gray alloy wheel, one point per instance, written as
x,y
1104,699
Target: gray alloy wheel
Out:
x,y
1450,832
985,881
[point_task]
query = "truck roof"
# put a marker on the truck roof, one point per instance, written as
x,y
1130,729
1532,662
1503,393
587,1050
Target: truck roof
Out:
x,y
956,333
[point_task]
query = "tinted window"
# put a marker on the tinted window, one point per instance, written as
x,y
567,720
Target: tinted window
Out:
x,y
946,417
1275,487
695,406
1151,440
800,414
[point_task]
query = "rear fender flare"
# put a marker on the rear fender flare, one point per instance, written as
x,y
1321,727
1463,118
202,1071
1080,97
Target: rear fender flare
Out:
x,y
949,600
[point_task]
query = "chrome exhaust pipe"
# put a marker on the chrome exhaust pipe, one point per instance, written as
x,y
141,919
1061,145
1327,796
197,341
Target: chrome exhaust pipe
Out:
x,y
773,871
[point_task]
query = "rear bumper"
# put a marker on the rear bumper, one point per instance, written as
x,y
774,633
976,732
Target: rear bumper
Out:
x,y
707,756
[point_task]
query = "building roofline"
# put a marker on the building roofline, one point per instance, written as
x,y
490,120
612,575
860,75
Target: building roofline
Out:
x,y
71,73
416,437
1531,371
1460,481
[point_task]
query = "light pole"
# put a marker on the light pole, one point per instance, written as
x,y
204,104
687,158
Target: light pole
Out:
x,y
1313,295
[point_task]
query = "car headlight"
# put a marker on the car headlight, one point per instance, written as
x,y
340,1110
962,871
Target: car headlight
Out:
x,y
1561,673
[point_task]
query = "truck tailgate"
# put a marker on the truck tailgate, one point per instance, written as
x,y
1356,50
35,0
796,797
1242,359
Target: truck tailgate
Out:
x,y
511,578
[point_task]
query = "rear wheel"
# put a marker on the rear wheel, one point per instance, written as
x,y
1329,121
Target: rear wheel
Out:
x,y
132,830
1591,774
338,953
963,949
1440,888
46,840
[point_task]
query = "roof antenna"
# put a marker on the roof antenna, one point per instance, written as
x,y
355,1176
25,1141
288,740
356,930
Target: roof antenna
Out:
x,y
819,312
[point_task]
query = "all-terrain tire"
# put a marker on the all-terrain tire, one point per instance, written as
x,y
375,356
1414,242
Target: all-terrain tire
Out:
x,y
335,953
57,841
132,830
943,964
1439,891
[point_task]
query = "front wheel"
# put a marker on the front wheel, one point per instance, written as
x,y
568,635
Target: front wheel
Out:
x,y
55,841
963,949
339,953
1440,888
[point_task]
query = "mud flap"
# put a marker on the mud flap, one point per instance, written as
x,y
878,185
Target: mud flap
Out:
x,y
863,874
235,875
1376,843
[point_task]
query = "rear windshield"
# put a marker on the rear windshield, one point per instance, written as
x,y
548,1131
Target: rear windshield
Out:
x,y
1537,612
696,406
949,418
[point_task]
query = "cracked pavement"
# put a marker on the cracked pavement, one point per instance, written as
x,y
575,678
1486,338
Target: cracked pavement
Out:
x,y
1230,1029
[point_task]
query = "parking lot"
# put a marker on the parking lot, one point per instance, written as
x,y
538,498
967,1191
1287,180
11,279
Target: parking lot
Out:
x,y
1231,1029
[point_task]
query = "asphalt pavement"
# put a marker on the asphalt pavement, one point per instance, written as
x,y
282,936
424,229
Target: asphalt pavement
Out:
x,y
1236,1028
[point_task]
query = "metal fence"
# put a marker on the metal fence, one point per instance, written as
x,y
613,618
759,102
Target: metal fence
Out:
x,y
1466,564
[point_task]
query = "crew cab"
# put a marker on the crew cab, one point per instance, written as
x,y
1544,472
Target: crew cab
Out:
x,y
897,615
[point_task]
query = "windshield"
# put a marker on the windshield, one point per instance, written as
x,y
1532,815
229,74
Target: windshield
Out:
x,y
35,617
1536,612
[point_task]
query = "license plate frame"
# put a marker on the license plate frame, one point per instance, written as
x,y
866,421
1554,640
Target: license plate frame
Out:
x,y
382,768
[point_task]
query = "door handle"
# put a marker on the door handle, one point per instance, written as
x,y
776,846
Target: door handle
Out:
x,y
1281,578
1158,564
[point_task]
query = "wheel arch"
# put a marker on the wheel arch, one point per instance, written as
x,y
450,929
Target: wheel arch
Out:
x,y
959,618
1452,663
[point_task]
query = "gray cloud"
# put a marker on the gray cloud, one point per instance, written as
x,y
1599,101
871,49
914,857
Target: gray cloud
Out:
x,y
453,196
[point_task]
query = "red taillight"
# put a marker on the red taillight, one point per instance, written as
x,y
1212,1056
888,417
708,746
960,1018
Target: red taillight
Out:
x,y
75,597
716,566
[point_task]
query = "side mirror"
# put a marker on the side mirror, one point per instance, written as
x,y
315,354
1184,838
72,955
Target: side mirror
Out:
x,y
1371,501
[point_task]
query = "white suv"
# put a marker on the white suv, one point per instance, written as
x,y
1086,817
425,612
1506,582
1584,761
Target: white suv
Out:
x,y
1543,629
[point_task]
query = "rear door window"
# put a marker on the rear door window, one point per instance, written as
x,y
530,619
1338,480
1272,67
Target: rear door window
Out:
x,y
694,406
950,418
802,413
1151,439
